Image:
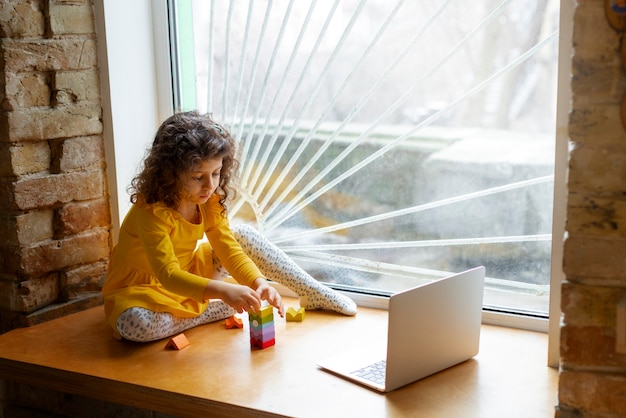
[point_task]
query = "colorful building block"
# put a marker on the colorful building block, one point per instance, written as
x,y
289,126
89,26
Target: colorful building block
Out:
x,y
178,342
262,333
295,316
233,322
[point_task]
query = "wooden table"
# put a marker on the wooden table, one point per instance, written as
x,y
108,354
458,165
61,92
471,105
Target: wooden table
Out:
x,y
219,375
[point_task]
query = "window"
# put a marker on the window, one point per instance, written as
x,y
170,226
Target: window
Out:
x,y
387,143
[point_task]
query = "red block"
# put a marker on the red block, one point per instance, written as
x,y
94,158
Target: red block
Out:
x,y
262,344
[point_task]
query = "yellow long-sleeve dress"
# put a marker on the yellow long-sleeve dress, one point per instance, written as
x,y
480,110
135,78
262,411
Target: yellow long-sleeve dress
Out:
x,y
158,265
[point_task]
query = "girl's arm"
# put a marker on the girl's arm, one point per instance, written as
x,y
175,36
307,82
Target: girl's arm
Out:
x,y
244,298
241,298
236,261
226,247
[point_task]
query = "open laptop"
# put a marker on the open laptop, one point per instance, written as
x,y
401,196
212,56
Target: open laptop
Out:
x,y
431,327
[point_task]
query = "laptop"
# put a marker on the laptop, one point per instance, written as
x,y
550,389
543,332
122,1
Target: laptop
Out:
x,y
431,327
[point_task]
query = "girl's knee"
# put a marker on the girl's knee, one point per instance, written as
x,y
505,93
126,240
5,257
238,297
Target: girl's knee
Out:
x,y
138,317
244,229
245,232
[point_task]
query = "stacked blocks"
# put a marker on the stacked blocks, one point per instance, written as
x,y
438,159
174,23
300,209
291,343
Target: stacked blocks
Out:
x,y
262,327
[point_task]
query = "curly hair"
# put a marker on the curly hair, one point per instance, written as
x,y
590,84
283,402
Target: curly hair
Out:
x,y
182,142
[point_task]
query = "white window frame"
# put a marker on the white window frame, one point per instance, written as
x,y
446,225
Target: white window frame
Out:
x,y
134,59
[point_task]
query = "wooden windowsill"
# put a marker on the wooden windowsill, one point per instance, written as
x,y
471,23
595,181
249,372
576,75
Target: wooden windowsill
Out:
x,y
219,374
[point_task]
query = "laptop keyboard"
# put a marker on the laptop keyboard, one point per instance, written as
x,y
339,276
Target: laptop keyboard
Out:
x,y
374,372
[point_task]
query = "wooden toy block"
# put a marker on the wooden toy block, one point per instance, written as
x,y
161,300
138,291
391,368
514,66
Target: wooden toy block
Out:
x,y
265,314
262,344
233,322
262,333
178,342
295,316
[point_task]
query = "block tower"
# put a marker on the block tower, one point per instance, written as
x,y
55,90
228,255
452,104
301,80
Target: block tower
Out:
x,y
262,327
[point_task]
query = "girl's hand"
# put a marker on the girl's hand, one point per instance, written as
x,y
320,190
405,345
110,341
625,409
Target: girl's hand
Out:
x,y
269,293
241,298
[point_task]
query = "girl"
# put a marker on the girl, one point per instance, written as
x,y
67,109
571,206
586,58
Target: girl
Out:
x,y
160,282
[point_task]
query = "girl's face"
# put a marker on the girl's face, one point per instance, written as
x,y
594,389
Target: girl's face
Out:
x,y
202,181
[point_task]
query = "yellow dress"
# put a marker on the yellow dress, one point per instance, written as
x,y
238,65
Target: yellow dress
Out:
x,y
158,265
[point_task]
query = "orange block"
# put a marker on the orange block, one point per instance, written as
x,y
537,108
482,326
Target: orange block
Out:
x,y
233,322
178,342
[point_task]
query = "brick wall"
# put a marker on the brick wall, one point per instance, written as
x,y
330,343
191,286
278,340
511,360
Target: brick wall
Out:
x,y
54,209
592,381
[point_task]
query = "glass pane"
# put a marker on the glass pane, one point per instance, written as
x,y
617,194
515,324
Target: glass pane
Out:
x,y
384,143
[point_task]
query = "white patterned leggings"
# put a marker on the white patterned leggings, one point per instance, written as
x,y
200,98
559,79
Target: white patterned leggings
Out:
x,y
143,325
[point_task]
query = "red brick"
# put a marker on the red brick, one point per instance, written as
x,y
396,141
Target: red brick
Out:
x,y
598,170
36,293
594,257
597,123
590,306
82,279
77,154
21,19
593,393
590,17
66,121
75,17
27,89
78,217
597,81
596,216
73,53
57,255
26,158
76,86
29,295
34,226
591,347
52,189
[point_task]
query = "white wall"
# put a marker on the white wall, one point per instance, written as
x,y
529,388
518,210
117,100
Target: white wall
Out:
x,y
136,91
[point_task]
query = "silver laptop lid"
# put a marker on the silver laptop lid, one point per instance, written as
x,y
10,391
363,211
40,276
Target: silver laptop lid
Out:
x,y
444,319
